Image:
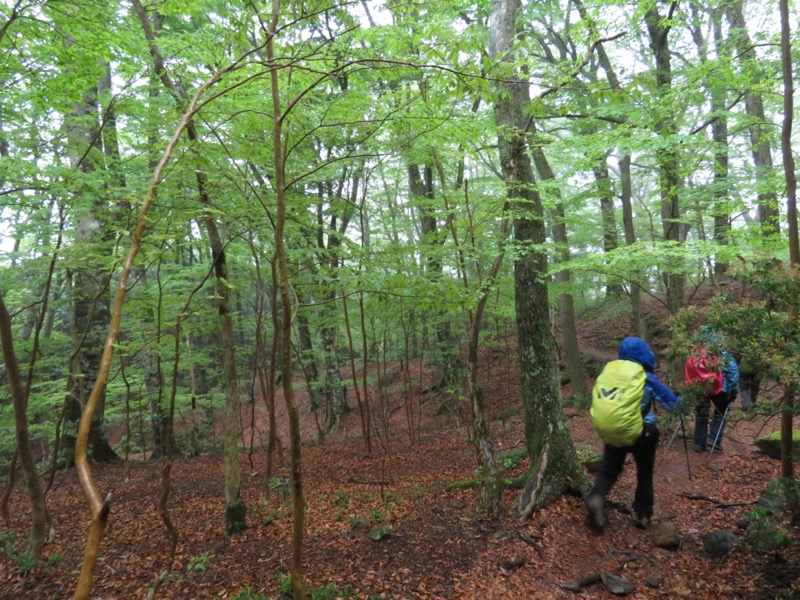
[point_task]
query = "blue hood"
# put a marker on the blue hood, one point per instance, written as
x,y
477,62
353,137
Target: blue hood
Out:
x,y
709,336
636,350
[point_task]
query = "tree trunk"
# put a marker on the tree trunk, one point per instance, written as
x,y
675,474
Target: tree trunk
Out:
x,y
309,360
637,316
421,189
235,509
787,413
719,132
554,463
89,284
606,195
637,313
668,163
298,497
566,304
666,154
19,397
761,147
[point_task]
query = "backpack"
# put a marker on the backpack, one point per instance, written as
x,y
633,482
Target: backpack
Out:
x,y
617,403
701,369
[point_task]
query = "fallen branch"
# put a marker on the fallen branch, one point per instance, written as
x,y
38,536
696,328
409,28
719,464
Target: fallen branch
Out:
x,y
529,539
717,503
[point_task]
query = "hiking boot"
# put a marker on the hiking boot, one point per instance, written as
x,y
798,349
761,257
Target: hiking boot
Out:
x,y
718,448
597,516
642,521
699,448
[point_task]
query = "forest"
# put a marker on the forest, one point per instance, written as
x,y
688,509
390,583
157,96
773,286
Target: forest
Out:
x,y
306,298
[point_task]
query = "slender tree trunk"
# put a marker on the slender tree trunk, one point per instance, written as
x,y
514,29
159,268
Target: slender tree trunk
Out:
x,y
100,507
787,414
719,131
363,412
566,304
150,361
719,134
761,146
19,397
421,188
306,351
666,154
235,509
637,314
298,497
606,195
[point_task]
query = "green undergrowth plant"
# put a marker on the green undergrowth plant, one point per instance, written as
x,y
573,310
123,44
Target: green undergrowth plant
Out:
x,y
585,450
200,562
22,561
247,593
510,460
764,532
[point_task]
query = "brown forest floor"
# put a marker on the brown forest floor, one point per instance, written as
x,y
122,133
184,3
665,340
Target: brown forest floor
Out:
x,y
440,546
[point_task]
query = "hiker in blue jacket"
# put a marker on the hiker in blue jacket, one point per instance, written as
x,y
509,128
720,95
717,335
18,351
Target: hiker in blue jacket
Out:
x,y
636,350
720,401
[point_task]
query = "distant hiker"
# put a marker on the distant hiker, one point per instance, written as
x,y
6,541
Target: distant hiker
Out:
x,y
718,377
623,418
749,383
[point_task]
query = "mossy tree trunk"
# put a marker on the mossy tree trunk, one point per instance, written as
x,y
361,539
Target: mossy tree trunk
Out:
x,y
554,463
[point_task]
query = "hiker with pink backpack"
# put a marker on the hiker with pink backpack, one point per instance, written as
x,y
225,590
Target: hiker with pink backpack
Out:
x,y
714,373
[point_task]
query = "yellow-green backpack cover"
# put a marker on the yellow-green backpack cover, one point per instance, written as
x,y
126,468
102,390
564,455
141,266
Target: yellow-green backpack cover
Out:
x,y
617,403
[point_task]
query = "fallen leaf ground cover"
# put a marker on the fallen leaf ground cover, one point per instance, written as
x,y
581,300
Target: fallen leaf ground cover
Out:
x,y
437,544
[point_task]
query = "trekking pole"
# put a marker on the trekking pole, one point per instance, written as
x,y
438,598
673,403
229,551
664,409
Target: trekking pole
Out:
x,y
685,446
719,430
672,438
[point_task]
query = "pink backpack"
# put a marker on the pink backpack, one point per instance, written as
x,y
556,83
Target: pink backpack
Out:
x,y
703,370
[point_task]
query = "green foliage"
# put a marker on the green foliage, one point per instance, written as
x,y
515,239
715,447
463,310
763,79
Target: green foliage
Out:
x,y
247,593
763,534
342,498
764,340
54,559
376,516
512,459
200,562
585,450
392,499
417,493
23,560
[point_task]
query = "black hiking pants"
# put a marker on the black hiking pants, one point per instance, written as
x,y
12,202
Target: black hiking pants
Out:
x,y
702,435
644,453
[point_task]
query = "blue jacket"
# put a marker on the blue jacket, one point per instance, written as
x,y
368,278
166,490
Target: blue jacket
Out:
x,y
730,370
730,374
636,350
